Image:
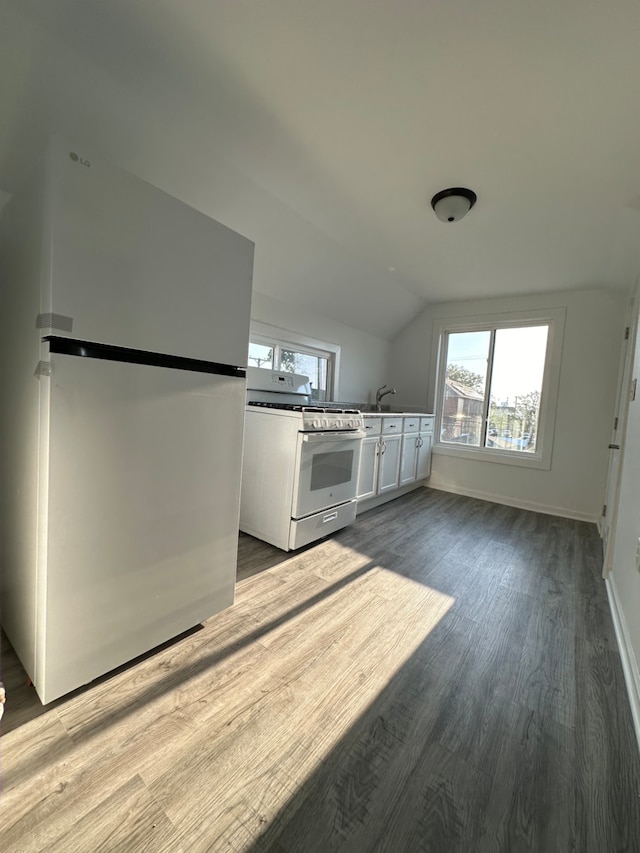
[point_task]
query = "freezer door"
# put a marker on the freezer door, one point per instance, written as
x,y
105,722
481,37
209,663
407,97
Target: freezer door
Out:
x,y
132,266
141,512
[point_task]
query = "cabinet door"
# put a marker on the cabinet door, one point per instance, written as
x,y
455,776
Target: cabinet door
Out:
x,y
424,457
389,473
409,458
368,473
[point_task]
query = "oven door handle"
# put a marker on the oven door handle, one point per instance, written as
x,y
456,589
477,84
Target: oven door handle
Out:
x,y
349,435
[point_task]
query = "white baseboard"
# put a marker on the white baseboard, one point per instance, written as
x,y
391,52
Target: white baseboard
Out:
x,y
627,656
563,512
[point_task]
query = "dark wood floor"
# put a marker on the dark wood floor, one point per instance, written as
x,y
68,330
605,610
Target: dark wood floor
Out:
x,y
441,676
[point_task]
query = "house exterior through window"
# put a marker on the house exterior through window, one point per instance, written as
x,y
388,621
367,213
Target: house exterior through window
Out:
x,y
462,412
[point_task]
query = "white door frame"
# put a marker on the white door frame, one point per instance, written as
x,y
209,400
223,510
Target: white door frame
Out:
x,y
618,433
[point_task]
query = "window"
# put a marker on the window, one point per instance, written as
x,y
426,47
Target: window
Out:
x,y
497,388
279,349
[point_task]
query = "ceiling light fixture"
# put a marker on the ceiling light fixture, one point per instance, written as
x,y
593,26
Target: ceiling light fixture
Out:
x,y
451,205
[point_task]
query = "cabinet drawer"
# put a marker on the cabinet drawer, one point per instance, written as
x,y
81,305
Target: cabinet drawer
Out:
x,y
426,424
372,426
412,424
391,426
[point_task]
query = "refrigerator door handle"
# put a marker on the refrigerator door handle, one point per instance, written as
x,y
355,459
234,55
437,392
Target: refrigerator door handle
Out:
x,y
128,355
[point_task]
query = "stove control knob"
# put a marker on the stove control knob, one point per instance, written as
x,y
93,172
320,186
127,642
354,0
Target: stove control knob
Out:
x,y
317,423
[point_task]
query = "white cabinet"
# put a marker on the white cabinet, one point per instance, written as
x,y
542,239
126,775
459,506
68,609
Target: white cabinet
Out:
x,y
389,468
423,468
410,448
409,458
372,426
391,426
395,453
380,457
417,439
368,474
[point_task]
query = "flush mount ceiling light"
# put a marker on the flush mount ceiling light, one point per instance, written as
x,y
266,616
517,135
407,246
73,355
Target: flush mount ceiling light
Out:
x,y
451,205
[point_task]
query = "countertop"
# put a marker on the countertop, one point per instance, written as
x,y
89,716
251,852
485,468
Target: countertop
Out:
x,y
397,414
368,410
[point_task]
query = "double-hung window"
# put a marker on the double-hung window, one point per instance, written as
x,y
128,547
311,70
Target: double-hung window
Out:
x,y
279,349
497,387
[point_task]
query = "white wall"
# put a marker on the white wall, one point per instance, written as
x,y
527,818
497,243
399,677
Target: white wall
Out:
x,y
409,362
113,107
575,485
363,357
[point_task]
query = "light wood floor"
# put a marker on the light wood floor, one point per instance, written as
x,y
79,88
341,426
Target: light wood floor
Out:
x,y
441,676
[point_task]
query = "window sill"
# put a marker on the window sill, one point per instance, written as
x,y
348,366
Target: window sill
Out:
x,y
484,454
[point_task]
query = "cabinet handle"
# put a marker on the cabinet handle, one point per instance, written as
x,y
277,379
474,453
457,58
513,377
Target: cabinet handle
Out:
x,y
383,447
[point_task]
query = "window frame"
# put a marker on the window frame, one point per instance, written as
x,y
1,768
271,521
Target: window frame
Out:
x,y
279,338
555,319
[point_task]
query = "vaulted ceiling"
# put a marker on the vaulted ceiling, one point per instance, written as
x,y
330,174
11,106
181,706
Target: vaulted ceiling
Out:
x,y
352,114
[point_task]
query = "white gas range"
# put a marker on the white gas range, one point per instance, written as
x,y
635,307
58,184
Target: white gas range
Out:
x,y
300,462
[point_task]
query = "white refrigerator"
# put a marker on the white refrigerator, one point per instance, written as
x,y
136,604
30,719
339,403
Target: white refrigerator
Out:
x,y
125,319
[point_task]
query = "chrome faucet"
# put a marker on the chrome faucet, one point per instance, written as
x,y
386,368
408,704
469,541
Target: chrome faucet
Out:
x,y
380,393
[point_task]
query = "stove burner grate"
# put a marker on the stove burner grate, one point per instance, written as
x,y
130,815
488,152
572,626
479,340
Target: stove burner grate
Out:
x,y
294,407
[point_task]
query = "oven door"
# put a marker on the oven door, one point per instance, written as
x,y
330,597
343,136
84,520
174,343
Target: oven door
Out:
x,y
326,471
